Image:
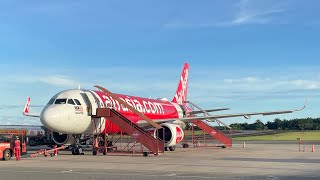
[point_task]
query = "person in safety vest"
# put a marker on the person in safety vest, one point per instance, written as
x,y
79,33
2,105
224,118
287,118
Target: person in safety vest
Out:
x,y
55,152
17,148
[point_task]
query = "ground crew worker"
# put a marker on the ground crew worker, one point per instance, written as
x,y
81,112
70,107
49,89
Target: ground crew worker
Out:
x,y
55,152
96,142
17,148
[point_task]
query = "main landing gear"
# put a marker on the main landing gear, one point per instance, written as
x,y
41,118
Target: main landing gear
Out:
x,y
171,148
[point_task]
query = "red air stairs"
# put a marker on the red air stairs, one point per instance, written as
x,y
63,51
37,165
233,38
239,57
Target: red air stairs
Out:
x,y
154,145
208,130
215,133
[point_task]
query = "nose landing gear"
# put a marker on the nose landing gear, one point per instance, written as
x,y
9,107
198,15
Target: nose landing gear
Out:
x,y
76,149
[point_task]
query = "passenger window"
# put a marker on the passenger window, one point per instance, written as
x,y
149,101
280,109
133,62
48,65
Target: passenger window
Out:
x,y
51,101
77,101
70,101
60,101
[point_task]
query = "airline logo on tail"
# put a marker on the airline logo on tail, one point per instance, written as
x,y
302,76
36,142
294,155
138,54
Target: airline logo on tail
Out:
x,y
26,107
182,90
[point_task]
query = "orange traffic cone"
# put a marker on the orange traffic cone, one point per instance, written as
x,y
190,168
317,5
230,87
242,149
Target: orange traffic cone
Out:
x,y
244,145
312,150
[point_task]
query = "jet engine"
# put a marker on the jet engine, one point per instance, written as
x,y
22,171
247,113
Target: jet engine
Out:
x,y
172,134
62,139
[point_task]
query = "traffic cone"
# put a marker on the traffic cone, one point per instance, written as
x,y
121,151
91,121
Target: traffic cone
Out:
x,y
312,150
244,145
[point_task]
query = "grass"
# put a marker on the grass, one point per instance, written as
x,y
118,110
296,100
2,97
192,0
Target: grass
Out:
x,y
285,136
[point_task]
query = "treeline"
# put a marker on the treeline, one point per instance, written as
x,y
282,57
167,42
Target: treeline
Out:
x,y
278,124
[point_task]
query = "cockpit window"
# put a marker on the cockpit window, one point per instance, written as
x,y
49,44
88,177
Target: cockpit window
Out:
x,y
51,101
60,101
70,101
77,101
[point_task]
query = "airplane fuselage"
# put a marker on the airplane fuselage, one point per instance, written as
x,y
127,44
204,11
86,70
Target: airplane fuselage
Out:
x,y
71,111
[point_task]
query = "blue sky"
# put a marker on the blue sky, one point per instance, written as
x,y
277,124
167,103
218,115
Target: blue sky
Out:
x,y
249,55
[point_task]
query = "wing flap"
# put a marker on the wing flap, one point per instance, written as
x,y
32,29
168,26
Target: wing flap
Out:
x,y
209,110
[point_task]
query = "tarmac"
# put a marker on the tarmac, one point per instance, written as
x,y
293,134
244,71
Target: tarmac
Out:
x,y
255,161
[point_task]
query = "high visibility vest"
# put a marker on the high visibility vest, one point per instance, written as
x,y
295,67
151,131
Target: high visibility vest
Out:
x,y
17,144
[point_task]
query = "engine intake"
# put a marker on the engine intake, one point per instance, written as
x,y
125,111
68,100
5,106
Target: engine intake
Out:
x,y
172,134
62,139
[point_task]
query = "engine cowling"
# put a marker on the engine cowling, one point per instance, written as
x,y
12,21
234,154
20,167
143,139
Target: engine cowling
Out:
x,y
173,134
62,139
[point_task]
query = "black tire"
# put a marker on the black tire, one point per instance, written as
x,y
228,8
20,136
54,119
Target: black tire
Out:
x,y
6,155
104,152
75,151
94,153
185,145
165,148
172,148
145,154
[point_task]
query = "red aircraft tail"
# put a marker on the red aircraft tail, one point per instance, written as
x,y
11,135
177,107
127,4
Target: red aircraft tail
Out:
x,y
26,107
182,90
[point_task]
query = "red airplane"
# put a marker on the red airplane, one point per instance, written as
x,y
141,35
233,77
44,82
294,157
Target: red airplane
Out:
x,y
68,113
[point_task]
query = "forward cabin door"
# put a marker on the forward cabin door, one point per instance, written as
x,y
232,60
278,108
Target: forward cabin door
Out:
x,y
91,103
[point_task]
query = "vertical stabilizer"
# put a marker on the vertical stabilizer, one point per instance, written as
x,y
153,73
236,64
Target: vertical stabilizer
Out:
x,y
182,90
26,107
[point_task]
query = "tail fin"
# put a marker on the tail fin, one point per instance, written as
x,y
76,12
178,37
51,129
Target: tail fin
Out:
x,y
26,107
182,90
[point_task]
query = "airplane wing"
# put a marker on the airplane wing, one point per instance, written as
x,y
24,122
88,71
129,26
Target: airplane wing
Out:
x,y
209,110
26,109
143,123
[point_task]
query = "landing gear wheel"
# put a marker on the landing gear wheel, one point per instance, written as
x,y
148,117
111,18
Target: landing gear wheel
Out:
x,y
145,154
76,151
172,148
185,145
6,155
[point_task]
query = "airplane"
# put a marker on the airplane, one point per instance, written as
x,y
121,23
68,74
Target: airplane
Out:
x,y
68,114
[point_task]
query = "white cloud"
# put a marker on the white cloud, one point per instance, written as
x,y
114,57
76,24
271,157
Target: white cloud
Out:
x,y
252,13
59,80
306,84
55,80
246,80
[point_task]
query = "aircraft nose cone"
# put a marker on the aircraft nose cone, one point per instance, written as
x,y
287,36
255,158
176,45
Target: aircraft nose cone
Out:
x,y
50,118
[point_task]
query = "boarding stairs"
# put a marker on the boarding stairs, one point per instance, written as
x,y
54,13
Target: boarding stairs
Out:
x,y
214,132
153,144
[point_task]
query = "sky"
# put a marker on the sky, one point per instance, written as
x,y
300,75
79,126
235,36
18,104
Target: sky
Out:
x,y
247,55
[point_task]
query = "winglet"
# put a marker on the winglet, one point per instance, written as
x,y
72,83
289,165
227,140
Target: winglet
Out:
x,y
305,103
27,106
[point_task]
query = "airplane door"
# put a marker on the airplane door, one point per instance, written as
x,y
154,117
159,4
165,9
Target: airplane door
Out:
x,y
91,102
